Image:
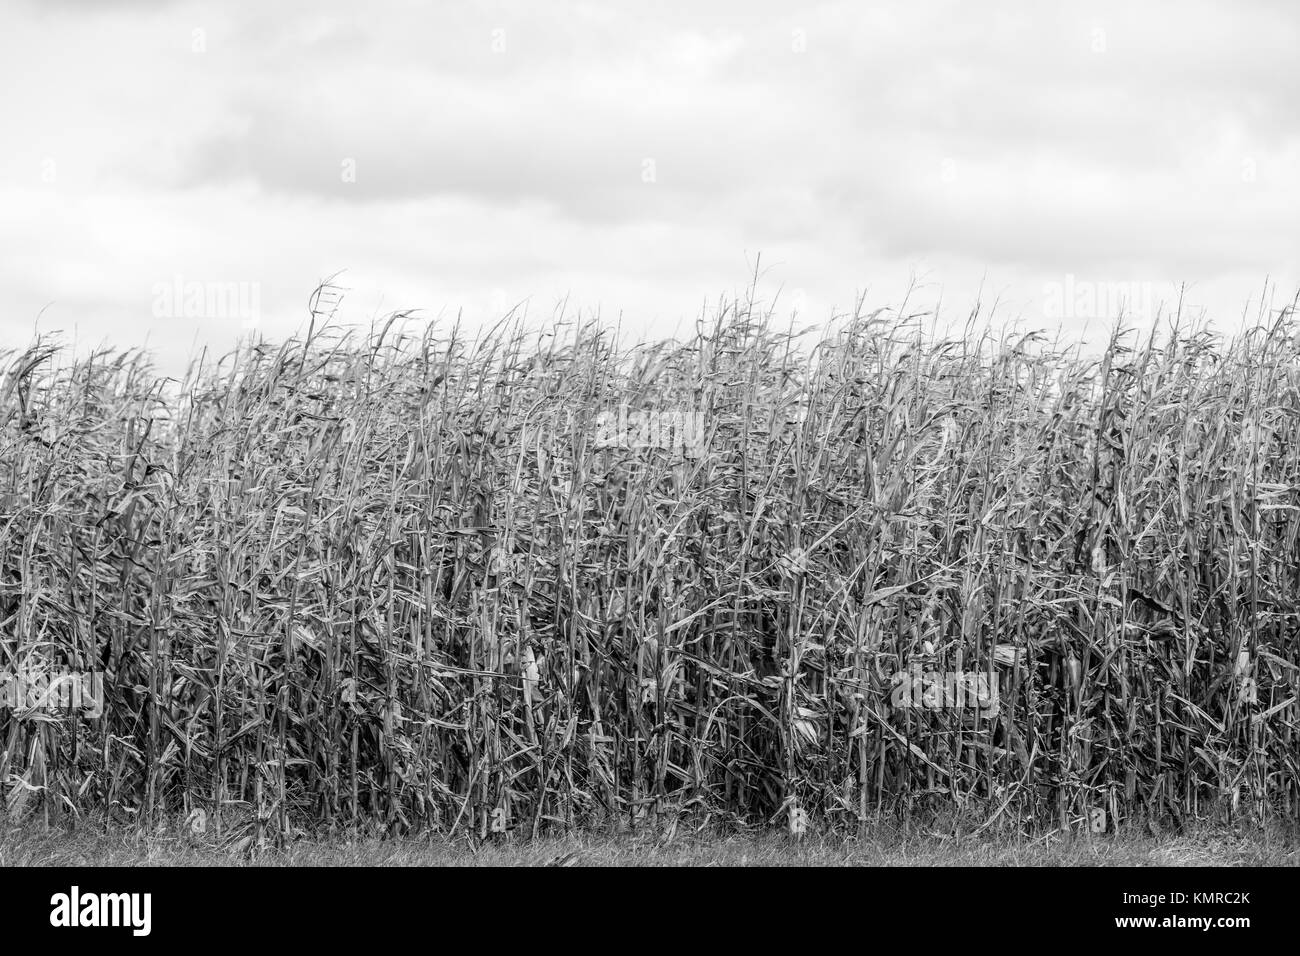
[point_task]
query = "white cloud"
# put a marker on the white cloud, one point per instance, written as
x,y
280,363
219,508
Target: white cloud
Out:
x,y
505,146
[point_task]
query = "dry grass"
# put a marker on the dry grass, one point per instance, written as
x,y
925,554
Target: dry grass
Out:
x,y
395,579
884,845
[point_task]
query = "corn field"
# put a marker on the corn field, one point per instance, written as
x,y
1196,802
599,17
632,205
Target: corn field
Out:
x,y
425,581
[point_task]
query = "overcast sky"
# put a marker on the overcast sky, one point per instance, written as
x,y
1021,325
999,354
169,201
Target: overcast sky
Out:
x,y
636,157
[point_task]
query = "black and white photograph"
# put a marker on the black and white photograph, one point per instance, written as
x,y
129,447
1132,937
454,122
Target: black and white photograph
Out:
x,y
441,438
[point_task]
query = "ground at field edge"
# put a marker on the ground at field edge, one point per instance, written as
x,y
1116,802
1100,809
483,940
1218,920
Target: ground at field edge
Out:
x,y
35,845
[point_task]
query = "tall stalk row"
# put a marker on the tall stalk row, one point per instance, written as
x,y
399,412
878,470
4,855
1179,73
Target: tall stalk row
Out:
x,y
409,580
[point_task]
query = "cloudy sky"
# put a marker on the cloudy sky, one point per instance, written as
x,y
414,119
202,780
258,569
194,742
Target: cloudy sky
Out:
x,y
636,158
